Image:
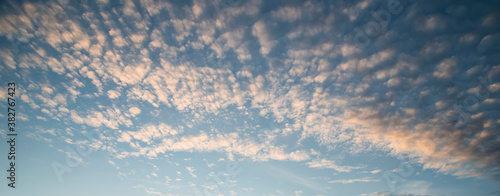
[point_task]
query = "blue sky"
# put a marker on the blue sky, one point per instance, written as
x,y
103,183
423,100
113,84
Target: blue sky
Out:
x,y
252,97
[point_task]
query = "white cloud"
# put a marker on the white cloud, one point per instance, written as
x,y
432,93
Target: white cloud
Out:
x,y
376,171
182,27
288,13
328,164
260,31
350,181
111,118
7,58
198,8
112,94
134,111
191,171
446,68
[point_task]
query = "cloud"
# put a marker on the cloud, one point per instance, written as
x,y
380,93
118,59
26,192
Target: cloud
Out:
x,y
182,27
260,31
350,181
112,94
191,171
134,111
162,139
198,8
328,164
7,59
111,118
446,68
288,13
186,87
150,132
376,171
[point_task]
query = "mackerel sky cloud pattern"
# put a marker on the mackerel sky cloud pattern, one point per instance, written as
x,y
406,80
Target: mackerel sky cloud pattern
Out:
x,y
253,97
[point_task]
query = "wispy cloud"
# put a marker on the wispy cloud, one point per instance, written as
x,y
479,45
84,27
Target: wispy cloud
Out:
x,y
328,164
350,181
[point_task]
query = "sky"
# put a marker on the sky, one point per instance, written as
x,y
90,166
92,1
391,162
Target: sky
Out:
x,y
251,97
